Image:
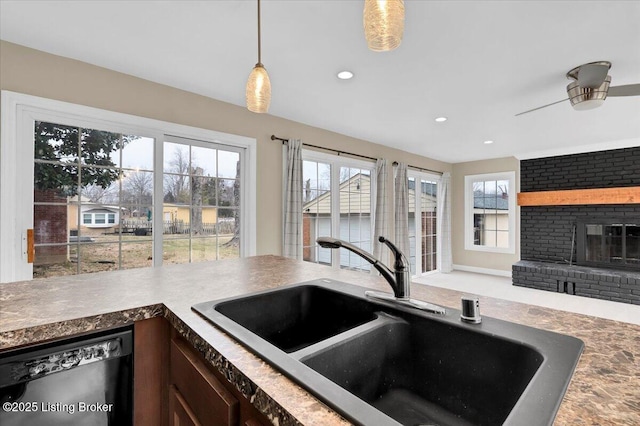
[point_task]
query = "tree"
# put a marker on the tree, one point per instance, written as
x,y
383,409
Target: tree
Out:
x,y
100,195
66,148
176,183
198,186
137,189
235,240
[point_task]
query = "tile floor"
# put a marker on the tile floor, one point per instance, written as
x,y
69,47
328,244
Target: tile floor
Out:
x,y
501,288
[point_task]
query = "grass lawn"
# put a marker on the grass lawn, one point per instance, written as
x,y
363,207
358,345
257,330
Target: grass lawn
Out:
x,y
104,254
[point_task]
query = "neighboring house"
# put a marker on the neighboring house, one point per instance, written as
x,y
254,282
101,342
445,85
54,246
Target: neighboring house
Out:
x,y
355,219
106,217
92,215
356,208
177,218
172,212
491,219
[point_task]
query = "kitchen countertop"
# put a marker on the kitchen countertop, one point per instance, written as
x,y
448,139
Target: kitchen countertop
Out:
x,y
604,390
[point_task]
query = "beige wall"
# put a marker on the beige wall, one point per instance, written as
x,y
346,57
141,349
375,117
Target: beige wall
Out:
x,y
479,259
36,73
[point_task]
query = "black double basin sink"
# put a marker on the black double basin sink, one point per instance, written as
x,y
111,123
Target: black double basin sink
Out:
x,y
378,363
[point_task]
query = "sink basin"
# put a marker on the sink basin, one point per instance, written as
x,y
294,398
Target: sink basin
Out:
x,y
295,317
381,364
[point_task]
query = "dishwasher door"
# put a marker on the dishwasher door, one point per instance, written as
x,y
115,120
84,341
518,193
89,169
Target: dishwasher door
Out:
x,y
80,381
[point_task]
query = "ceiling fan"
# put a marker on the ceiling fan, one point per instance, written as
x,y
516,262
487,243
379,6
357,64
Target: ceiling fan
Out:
x,y
590,87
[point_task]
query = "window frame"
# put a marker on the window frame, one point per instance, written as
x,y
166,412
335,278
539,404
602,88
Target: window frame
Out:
x,y
336,162
19,112
214,146
99,218
419,176
469,180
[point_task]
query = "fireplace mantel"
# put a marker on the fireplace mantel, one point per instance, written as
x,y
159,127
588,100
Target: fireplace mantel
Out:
x,y
623,195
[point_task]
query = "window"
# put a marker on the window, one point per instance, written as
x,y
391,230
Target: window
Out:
x,y
423,202
89,185
490,212
202,193
337,201
80,171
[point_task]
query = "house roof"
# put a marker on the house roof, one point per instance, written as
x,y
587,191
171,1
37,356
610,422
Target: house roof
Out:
x,y
101,210
490,201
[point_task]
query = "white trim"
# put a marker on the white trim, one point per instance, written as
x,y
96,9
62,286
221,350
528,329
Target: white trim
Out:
x,y
568,150
19,111
419,176
486,271
468,211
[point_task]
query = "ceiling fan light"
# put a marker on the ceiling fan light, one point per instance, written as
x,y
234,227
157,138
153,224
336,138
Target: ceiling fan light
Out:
x,y
584,98
383,24
258,90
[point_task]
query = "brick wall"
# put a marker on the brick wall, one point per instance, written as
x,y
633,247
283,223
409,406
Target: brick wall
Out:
x,y
546,231
49,226
429,243
617,286
602,169
306,237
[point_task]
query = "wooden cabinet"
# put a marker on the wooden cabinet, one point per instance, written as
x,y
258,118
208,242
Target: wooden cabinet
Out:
x,y
175,386
151,372
179,411
209,401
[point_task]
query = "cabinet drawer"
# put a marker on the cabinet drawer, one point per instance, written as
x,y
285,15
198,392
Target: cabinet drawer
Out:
x,y
210,402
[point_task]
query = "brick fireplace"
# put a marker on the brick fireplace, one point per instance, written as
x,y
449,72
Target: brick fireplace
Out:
x,y
608,235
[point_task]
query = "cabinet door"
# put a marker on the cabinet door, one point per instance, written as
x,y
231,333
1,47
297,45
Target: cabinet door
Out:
x,y
180,414
211,402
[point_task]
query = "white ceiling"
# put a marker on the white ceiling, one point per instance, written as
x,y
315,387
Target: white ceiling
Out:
x,y
476,62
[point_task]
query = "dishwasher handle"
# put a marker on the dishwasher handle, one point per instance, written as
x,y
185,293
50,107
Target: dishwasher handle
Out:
x,y
40,363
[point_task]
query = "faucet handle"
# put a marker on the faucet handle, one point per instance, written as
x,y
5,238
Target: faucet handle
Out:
x,y
401,262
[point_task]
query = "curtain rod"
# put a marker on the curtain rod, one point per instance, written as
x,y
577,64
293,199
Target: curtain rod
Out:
x,y
422,169
395,163
284,141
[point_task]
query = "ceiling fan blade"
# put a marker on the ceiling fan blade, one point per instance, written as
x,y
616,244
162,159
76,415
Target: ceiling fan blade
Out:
x,y
592,75
544,106
626,90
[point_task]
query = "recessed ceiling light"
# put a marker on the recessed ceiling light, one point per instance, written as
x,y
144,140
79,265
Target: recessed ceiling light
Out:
x,y
488,142
441,119
345,75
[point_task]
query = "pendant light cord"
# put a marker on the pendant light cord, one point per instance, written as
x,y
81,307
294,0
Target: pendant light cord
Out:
x,y
259,47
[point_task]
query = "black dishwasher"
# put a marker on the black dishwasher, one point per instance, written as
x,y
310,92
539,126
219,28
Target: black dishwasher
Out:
x,y
84,380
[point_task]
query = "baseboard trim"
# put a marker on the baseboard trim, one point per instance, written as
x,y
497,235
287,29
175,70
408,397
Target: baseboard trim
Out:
x,y
487,271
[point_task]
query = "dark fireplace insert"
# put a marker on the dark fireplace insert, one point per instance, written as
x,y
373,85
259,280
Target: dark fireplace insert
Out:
x,y
609,243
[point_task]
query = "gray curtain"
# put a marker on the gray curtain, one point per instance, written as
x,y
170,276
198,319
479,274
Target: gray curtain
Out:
x,y
401,205
380,209
292,244
444,223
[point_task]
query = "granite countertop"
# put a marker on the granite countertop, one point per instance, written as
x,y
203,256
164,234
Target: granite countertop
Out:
x,y
604,390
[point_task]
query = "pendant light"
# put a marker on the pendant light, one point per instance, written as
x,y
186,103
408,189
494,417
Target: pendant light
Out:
x,y
258,85
383,24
